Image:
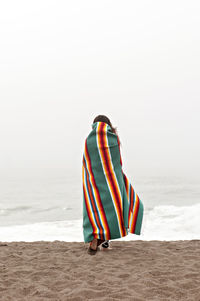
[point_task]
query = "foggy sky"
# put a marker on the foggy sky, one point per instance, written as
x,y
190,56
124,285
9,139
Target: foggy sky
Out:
x,y
64,62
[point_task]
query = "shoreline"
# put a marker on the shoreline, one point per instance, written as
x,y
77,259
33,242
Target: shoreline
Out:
x,y
129,270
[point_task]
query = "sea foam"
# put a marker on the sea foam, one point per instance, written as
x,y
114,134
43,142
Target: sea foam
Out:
x,y
160,223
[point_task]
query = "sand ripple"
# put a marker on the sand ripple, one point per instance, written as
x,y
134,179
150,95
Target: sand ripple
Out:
x,y
135,270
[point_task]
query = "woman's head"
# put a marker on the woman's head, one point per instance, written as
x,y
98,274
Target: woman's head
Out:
x,y
105,119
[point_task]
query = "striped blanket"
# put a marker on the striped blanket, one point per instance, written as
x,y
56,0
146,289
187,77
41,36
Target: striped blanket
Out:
x,y
111,207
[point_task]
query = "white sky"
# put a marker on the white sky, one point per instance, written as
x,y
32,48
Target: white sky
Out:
x,y
64,62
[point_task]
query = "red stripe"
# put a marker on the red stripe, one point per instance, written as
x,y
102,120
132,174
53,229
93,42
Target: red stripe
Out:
x,y
132,198
94,205
88,212
102,136
135,215
101,209
126,184
119,150
131,202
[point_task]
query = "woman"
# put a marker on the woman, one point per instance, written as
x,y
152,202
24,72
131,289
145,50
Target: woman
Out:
x,y
111,208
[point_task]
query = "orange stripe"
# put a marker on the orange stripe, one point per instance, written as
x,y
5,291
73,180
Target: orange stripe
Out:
x,y
131,204
135,214
113,179
109,172
97,197
93,205
89,212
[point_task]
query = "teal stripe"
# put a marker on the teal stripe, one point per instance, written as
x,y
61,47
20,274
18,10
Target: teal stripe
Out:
x,y
130,191
125,207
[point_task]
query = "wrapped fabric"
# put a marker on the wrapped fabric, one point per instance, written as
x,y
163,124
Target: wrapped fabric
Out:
x,y
111,207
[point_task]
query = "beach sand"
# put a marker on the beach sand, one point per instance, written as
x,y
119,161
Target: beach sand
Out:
x,y
135,270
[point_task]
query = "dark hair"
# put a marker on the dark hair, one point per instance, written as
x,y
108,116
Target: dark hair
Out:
x,y
105,119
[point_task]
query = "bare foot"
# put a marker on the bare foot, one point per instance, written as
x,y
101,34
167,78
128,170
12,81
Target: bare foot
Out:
x,y
93,244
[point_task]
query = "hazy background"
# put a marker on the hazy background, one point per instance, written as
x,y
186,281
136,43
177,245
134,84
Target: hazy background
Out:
x,y
64,62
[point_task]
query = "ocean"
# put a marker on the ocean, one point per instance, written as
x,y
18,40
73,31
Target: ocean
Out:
x,y
47,205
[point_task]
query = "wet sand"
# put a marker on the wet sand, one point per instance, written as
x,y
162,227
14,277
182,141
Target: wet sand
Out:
x,y
135,270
